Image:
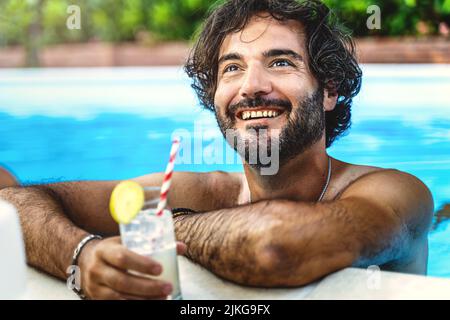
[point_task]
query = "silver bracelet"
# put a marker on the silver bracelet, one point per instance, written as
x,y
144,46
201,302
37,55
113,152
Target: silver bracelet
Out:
x,y
75,256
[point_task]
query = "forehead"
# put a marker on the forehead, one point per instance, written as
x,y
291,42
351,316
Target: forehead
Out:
x,y
262,33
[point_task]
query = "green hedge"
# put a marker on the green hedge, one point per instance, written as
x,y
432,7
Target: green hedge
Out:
x,y
127,20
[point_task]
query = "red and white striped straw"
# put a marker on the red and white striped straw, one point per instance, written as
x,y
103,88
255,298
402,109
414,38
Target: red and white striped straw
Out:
x,y
167,177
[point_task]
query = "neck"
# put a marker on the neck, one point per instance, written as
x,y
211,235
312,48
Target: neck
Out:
x,y
302,178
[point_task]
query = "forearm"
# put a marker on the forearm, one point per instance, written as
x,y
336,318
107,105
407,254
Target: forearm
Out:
x,y
226,241
49,236
270,243
283,243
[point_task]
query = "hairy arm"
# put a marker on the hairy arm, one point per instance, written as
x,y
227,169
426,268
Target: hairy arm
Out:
x,y
286,243
49,236
55,217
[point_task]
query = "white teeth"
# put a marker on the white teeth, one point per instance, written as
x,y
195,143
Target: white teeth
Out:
x,y
259,114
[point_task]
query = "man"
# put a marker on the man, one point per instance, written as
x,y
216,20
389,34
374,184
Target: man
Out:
x,y
264,67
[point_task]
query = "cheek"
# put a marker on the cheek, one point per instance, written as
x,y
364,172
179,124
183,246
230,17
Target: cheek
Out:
x,y
219,103
297,90
224,97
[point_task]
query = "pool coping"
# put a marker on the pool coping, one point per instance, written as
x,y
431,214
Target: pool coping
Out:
x,y
346,284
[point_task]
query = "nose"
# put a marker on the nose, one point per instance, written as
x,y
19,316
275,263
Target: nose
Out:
x,y
255,83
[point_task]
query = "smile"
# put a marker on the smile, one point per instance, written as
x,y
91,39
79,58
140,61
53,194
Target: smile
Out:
x,y
258,114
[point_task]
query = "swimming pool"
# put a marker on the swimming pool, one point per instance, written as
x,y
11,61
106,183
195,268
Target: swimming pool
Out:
x,y
77,124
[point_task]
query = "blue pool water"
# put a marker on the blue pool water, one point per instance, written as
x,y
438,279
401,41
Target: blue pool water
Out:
x,y
77,124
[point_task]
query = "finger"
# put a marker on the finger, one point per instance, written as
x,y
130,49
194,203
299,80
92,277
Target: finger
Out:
x,y
160,298
105,293
181,248
120,257
129,284
131,297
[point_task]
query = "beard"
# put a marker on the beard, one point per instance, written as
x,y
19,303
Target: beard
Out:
x,y
303,129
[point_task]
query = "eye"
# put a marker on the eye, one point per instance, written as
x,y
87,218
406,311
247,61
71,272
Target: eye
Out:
x,y
230,68
281,63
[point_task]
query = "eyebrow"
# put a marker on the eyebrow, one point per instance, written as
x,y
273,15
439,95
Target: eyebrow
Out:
x,y
266,54
229,56
282,52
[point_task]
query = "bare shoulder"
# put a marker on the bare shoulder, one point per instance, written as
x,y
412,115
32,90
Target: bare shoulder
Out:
x,y
390,183
200,191
345,174
406,195
223,189
7,179
351,179
228,187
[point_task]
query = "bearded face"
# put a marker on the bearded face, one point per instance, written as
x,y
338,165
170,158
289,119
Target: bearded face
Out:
x,y
267,102
259,135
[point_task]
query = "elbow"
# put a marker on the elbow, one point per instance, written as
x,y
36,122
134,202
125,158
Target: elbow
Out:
x,y
279,267
287,265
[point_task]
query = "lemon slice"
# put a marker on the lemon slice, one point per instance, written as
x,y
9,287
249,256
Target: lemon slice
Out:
x,y
127,199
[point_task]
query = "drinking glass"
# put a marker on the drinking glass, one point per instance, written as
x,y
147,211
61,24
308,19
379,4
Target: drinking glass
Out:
x,y
153,236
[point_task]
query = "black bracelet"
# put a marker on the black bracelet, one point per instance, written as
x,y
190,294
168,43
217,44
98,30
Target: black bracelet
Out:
x,y
181,212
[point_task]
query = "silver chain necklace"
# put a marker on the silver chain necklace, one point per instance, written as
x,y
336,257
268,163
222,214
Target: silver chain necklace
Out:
x,y
327,182
325,187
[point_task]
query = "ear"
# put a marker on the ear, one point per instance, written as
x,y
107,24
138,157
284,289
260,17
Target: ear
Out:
x,y
330,97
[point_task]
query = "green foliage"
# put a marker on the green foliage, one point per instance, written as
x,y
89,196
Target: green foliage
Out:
x,y
125,20
398,17
15,18
177,19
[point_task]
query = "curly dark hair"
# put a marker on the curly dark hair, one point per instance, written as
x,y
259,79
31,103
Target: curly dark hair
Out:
x,y
329,46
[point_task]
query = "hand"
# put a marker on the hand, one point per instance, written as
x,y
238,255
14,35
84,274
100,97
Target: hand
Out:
x,y
104,264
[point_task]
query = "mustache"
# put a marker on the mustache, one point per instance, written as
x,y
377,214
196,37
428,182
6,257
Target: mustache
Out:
x,y
258,102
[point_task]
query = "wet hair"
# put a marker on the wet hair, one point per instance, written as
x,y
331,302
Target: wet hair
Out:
x,y
329,46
